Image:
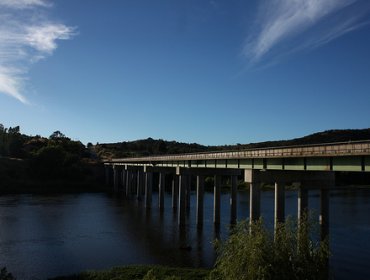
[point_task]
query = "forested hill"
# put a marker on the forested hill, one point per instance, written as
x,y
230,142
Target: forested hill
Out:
x,y
151,146
146,147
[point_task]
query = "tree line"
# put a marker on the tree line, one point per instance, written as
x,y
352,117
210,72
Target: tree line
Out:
x,y
25,159
149,146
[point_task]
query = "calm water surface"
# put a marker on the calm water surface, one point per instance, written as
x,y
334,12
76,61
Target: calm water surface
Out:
x,y
43,236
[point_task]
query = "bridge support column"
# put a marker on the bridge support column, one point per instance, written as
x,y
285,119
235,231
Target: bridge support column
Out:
x,y
200,201
148,189
254,202
279,215
116,176
175,190
324,213
182,200
123,179
302,205
133,188
161,187
108,171
253,177
188,192
233,199
128,182
216,200
139,185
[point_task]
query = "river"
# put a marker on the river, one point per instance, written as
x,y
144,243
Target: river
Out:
x,y
45,236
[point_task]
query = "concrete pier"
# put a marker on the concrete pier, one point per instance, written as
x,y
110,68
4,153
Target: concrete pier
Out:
x,y
200,201
108,171
279,215
148,189
182,200
139,185
133,180
233,199
188,192
116,177
253,177
324,213
161,187
302,204
254,202
175,191
217,200
128,182
123,177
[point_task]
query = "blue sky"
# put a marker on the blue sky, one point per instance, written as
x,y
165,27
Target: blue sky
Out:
x,y
212,72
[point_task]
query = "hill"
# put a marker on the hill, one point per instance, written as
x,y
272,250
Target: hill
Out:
x,y
148,147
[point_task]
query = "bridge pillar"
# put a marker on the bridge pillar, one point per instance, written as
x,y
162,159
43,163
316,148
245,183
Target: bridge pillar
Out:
x,y
182,200
253,178
139,185
233,199
200,200
188,192
123,179
254,202
128,181
302,205
279,215
161,186
175,190
116,177
324,213
148,189
108,171
133,188
216,200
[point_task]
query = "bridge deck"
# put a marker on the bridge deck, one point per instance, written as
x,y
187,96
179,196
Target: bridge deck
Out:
x,y
358,148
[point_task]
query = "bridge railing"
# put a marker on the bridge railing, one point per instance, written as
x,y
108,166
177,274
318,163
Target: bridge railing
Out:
x,y
325,150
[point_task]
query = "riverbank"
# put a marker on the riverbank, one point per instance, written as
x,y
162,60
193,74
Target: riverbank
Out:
x,y
139,272
17,176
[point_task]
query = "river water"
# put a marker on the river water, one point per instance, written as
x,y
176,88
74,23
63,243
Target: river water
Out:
x,y
45,236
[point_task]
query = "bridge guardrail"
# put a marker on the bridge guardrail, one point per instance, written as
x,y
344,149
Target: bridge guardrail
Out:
x,y
325,150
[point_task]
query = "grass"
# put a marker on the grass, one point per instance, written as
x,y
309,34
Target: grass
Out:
x,y
139,272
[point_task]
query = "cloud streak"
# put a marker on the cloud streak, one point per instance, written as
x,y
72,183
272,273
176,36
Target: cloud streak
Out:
x,y
282,27
26,36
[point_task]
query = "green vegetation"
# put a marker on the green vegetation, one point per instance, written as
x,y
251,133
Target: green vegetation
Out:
x,y
5,275
139,272
38,164
253,252
148,147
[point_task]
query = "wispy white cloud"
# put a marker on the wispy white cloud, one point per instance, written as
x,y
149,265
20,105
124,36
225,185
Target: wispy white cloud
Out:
x,y
26,36
23,4
283,26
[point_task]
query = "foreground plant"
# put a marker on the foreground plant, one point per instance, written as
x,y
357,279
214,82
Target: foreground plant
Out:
x,y
254,252
5,275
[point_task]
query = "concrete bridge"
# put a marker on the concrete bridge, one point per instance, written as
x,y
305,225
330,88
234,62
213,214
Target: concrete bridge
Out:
x,y
310,165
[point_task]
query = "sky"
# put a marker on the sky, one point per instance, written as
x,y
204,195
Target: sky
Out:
x,y
211,72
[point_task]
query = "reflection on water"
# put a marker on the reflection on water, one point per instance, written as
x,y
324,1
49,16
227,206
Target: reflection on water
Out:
x,y
45,236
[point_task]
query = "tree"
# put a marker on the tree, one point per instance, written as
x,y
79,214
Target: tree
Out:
x,y
57,135
5,275
14,130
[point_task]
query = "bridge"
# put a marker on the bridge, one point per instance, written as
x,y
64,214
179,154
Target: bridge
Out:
x,y
310,165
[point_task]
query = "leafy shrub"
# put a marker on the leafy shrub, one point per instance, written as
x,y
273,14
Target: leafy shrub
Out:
x,y
253,252
5,275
